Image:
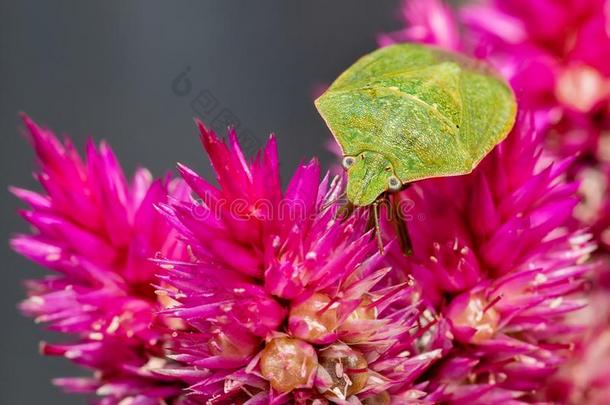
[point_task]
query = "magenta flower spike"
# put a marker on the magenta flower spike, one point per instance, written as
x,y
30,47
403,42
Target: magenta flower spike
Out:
x,y
501,271
555,55
281,302
97,232
585,377
241,291
429,22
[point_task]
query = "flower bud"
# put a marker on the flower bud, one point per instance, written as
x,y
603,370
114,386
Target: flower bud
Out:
x,y
288,364
232,347
344,370
382,398
314,320
353,329
473,321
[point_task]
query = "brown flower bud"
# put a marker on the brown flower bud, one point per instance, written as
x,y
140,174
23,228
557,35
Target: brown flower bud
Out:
x,y
346,368
314,320
288,364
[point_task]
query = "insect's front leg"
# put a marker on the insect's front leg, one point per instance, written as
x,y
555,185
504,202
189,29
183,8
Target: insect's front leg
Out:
x,y
375,209
345,211
400,226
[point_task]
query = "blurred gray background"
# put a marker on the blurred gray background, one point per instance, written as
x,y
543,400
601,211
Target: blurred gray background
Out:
x,y
109,69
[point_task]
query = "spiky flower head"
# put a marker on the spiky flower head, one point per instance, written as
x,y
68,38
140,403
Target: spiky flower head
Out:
x,y
585,377
555,55
96,231
500,270
281,302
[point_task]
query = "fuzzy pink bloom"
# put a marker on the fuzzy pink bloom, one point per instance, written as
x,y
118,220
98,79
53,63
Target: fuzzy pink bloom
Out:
x,y
281,302
500,270
585,378
555,54
97,232
428,22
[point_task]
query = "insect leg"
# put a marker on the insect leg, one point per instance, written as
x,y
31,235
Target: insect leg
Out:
x,y
345,211
377,226
400,226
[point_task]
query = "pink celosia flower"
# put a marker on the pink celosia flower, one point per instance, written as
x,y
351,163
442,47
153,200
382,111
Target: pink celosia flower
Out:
x,y
585,378
281,302
500,270
429,22
98,232
555,53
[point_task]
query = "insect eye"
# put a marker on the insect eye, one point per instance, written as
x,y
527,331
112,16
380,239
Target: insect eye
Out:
x,y
394,184
347,162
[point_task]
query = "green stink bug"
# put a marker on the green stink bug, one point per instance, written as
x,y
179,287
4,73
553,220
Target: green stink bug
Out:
x,y
409,112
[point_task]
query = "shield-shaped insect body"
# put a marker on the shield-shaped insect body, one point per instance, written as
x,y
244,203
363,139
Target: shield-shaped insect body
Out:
x,y
410,112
